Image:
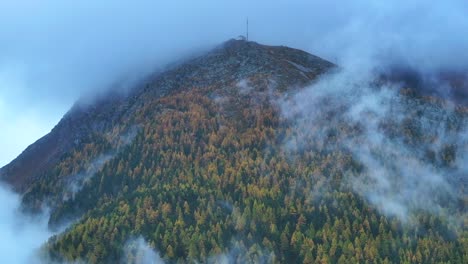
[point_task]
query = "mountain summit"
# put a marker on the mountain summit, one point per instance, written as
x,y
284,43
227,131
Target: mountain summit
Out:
x,y
231,62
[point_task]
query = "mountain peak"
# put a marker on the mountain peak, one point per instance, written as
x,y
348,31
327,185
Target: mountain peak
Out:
x,y
225,65
241,45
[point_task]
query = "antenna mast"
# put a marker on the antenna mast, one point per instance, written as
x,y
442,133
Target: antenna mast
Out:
x,y
247,36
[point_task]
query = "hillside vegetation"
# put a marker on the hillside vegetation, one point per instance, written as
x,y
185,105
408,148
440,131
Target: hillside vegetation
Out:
x,y
205,170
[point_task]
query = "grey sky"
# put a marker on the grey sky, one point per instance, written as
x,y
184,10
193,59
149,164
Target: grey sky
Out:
x,y
53,52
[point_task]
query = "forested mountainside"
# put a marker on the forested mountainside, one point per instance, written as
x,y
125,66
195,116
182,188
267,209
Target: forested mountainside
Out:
x,y
203,163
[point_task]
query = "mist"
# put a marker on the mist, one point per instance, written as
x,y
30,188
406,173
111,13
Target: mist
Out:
x,y
381,50
137,251
21,235
412,151
76,182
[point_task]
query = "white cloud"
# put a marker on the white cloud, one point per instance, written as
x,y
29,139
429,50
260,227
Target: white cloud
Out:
x,y
137,251
20,235
397,178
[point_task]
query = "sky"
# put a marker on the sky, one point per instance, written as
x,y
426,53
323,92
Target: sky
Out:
x,y
54,52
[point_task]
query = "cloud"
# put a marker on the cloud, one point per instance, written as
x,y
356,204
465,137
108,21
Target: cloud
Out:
x,y
76,182
422,36
411,151
21,236
238,253
137,251
410,44
21,125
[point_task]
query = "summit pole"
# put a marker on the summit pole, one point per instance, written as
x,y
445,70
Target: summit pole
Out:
x,y
247,28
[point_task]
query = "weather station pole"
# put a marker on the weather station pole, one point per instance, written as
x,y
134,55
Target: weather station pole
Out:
x,y
247,29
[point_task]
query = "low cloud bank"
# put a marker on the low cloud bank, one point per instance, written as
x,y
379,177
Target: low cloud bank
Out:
x,y
238,253
75,183
412,152
21,236
137,251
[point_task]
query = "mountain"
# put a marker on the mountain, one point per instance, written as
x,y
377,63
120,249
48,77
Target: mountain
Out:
x,y
202,163
233,61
